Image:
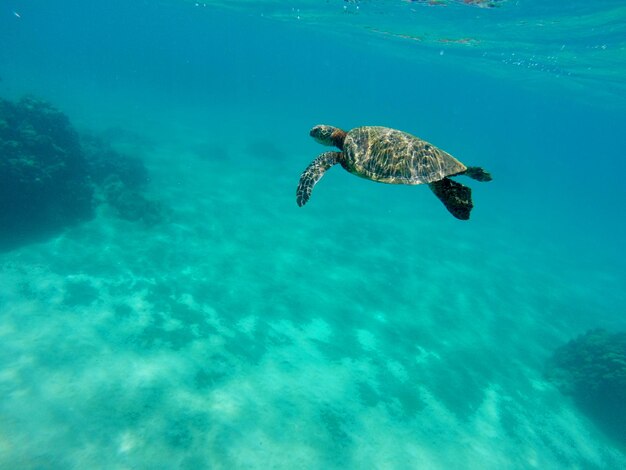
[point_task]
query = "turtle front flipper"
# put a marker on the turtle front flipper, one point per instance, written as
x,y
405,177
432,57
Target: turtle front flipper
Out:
x,y
313,174
456,197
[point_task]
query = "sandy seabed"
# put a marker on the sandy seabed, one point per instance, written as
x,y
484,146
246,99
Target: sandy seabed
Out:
x,y
363,331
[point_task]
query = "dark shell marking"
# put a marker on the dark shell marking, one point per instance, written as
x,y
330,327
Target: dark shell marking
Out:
x,y
391,156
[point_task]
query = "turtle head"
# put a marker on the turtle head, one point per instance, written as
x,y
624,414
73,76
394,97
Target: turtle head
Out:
x,y
328,135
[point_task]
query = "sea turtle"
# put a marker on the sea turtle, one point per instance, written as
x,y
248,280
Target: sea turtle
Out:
x,y
391,156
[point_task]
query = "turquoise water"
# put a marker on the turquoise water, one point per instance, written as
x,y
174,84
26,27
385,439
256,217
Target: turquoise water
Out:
x,y
368,329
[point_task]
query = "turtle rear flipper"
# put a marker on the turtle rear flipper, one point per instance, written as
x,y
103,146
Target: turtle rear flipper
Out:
x,y
313,174
477,173
456,197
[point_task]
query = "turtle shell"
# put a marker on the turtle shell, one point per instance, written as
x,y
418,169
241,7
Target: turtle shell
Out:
x,y
391,156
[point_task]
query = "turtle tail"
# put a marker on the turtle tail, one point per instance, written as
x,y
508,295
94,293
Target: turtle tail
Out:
x,y
456,197
313,174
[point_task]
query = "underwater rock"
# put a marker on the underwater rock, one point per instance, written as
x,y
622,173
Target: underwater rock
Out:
x,y
262,149
104,162
44,179
131,205
49,175
592,369
121,179
211,151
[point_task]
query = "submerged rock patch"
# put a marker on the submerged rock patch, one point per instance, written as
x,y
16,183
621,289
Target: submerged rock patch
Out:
x,y
44,177
51,176
592,370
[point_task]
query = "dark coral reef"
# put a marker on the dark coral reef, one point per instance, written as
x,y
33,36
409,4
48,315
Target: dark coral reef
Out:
x,y
50,175
104,162
592,369
122,180
44,181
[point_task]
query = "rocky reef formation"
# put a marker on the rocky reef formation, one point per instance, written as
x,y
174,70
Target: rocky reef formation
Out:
x,y
50,175
121,180
592,369
44,180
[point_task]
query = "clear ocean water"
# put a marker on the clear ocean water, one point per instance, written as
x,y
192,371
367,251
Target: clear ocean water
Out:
x,y
368,329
